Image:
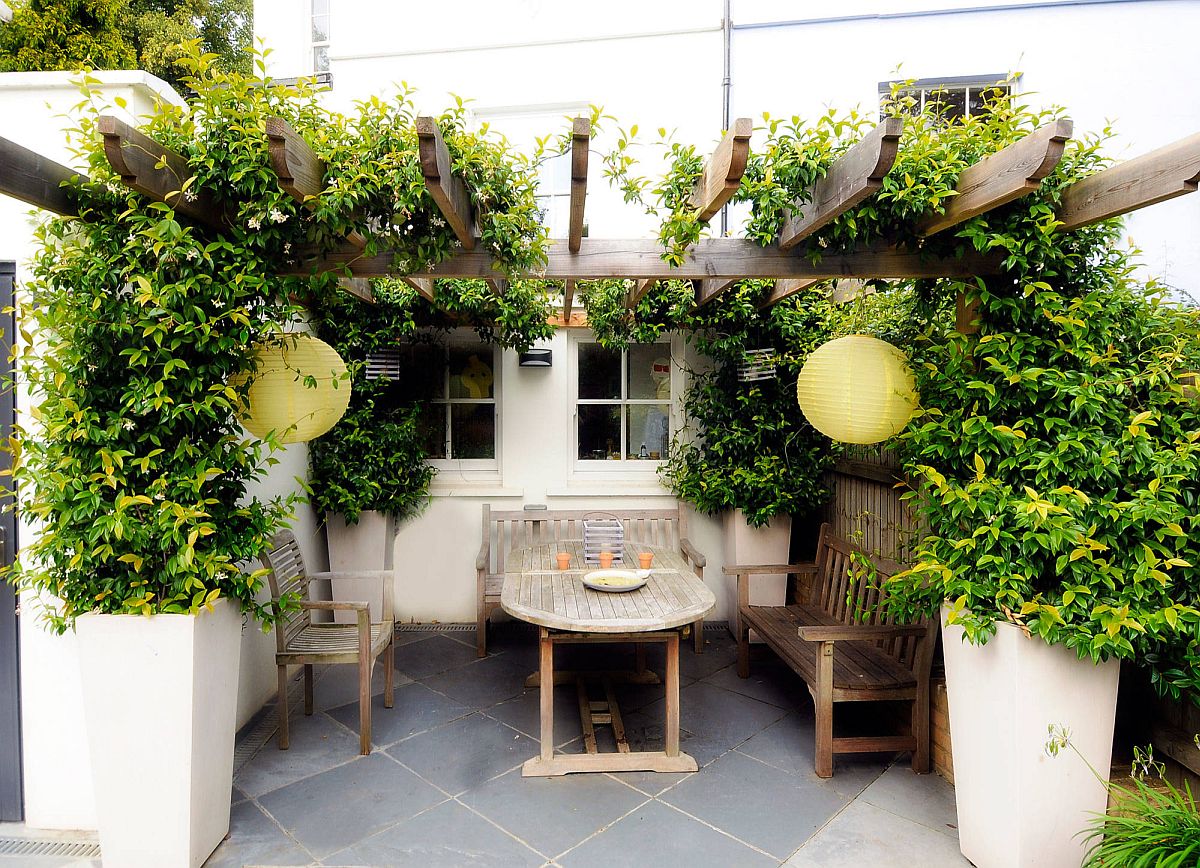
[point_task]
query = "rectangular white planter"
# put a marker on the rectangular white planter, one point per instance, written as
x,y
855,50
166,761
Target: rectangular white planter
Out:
x,y
770,544
1017,806
160,700
362,546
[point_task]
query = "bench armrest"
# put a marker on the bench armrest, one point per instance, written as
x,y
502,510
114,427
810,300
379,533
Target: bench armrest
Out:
x,y
481,560
862,633
387,577
769,569
334,606
692,553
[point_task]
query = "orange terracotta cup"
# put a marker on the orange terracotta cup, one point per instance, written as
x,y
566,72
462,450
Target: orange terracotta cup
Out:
x,y
564,560
645,559
605,560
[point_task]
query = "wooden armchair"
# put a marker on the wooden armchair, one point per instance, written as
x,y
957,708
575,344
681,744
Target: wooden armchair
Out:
x,y
301,642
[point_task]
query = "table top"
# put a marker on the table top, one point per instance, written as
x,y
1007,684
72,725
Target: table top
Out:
x,y
537,592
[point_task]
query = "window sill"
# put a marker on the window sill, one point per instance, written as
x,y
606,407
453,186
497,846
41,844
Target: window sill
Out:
x,y
474,489
612,487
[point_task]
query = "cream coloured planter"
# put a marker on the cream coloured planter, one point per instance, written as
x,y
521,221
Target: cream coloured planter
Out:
x,y
362,546
1017,806
160,702
757,545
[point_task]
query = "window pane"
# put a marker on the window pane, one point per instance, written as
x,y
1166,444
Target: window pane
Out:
x,y
471,372
320,7
951,103
321,58
320,28
432,430
472,430
599,372
599,431
649,426
981,97
422,372
649,371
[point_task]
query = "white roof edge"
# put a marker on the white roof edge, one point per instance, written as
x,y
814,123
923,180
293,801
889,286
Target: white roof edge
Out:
x,y
107,78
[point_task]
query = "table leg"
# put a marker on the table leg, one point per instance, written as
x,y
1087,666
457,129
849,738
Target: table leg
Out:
x,y
672,696
546,670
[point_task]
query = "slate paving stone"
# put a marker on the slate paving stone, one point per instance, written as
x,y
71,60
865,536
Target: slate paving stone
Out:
x,y
432,655
757,803
481,684
236,795
712,719
671,837
416,709
317,744
337,685
650,783
924,799
446,836
552,814
330,811
524,713
773,683
864,834
255,839
465,753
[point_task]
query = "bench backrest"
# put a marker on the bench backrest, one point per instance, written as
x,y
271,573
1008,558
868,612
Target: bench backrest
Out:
x,y
509,529
850,586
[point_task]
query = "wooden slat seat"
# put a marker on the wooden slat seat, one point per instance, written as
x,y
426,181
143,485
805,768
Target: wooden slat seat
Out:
x,y
514,531
839,638
337,643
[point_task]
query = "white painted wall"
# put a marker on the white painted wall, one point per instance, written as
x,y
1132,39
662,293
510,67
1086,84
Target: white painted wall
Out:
x,y
58,792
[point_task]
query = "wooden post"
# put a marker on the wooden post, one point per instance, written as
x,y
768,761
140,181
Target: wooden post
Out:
x,y
672,696
581,136
824,711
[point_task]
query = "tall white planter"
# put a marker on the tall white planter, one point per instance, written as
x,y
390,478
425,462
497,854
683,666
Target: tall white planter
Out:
x,y
1017,806
363,546
160,701
770,544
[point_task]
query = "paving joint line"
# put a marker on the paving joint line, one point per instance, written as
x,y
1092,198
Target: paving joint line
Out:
x,y
729,835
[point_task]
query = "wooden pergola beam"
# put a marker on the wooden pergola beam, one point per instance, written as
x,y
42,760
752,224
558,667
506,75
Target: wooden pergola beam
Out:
x,y
640,288
447,190
641,259
1008,174
35,180
788,287
723,172
498,284
856,175
423,286
568,299
156,171
710,288
359,287
301,172
581,137
1170,171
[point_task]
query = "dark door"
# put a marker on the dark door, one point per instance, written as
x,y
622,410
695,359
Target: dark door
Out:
x,y
11,801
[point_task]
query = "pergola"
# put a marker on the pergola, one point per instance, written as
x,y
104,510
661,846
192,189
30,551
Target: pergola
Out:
x,y
713,264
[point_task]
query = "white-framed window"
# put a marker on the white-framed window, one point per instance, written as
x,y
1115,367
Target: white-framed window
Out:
x,y
457,384
319,15
955,97
554,194
623,406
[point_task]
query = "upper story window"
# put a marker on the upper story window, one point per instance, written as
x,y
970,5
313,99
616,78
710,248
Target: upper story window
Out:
x,y
554,194
953,98
623,404
320,36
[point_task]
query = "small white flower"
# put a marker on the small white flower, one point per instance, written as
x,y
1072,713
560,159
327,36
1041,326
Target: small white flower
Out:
x,y
131,237
127,424
254,223
278,216
438,222
189,196
403,265
193,255
287,247
457,243
114,188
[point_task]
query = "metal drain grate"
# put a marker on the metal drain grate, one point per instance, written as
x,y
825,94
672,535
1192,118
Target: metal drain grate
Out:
x,y
41,847
435,628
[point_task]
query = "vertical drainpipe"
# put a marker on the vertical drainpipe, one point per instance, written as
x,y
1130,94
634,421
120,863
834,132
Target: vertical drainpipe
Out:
x,y
726,88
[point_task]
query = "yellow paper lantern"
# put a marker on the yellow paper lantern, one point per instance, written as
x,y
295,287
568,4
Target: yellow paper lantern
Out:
x,y
857,389
280,398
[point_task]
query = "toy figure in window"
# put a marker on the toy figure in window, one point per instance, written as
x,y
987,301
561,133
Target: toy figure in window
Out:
x,y
656,431
476,378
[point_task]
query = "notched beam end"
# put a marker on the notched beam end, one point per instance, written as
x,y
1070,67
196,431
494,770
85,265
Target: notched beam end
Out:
x,y
447,190
723,172
581,136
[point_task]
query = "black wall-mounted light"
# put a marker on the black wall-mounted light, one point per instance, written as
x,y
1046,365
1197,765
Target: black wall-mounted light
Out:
x,y
536,357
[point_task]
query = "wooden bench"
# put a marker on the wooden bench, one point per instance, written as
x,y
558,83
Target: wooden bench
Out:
x,y
844,646
505,530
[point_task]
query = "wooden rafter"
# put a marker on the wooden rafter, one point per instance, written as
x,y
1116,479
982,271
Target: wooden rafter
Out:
x,y
581,137
640,288
498,284
856,175
447,190
568,299
156,171
36,180
1170,171
641,259
301,172
844,291
788,287
423,286
1008,174
359,287
710,288
723,172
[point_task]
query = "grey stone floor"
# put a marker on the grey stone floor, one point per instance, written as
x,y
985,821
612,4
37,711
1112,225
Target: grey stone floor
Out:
x,y
444,785
444,788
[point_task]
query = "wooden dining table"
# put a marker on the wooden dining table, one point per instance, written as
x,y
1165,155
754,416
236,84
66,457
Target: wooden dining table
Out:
x,y
566,612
